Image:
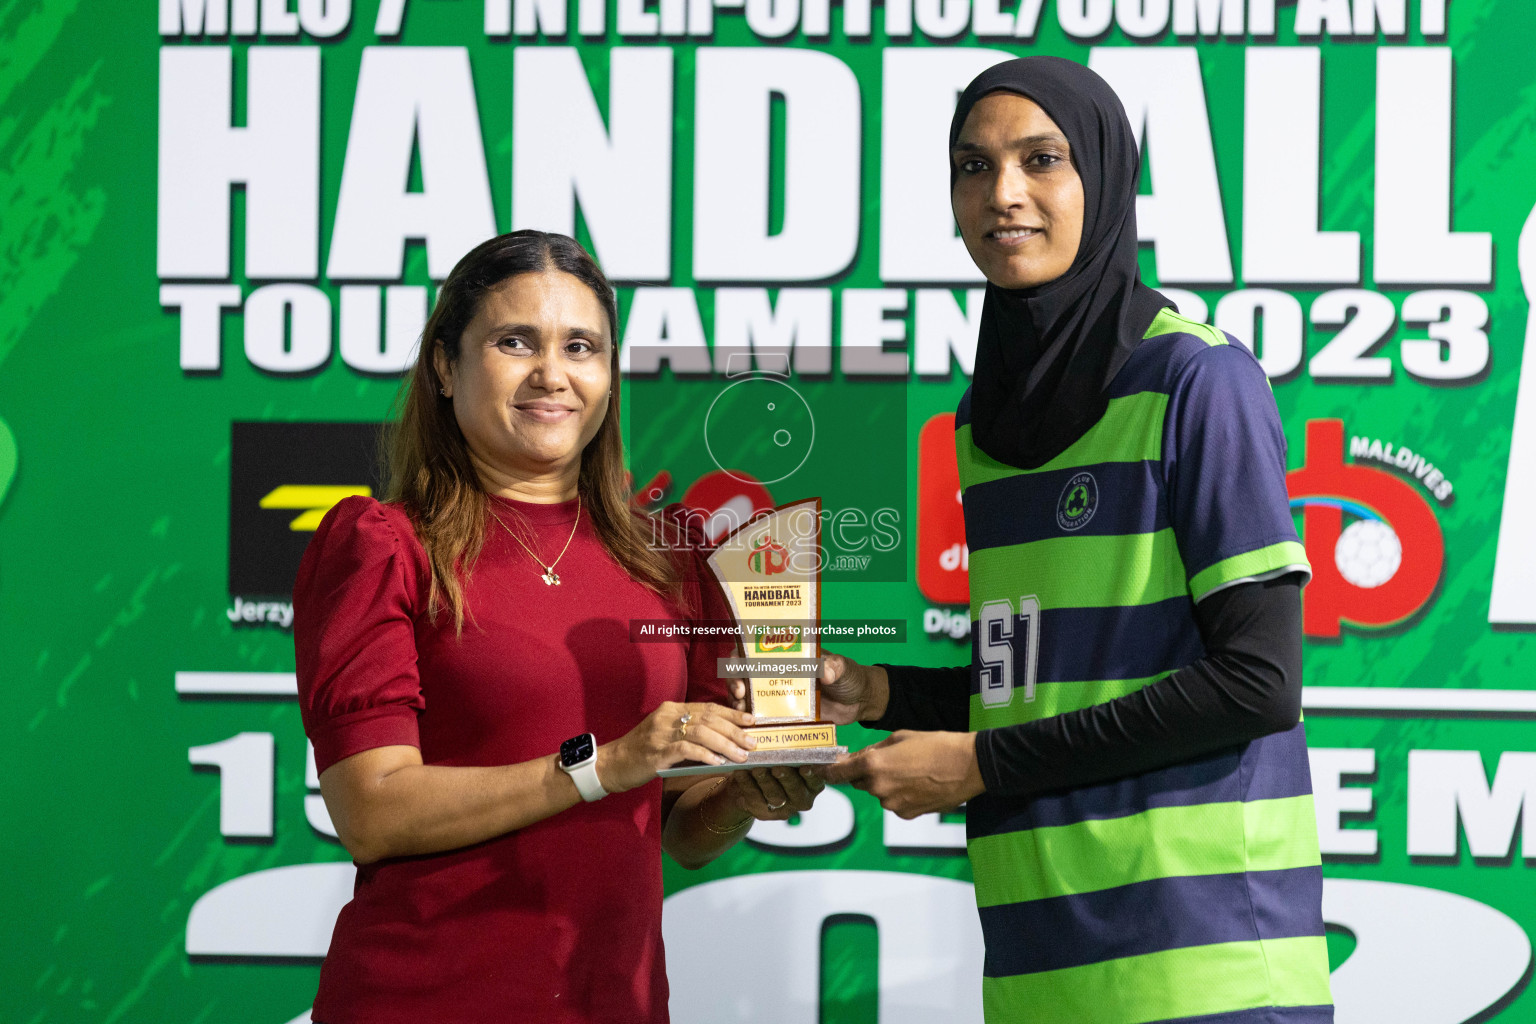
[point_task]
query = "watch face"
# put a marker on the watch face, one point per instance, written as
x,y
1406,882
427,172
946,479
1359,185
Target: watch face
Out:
x,y
576,750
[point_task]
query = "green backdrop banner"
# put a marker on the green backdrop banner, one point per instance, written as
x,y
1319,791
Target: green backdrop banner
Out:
x,y
221,227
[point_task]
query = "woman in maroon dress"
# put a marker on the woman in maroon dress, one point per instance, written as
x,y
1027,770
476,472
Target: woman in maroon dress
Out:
x,y
487,734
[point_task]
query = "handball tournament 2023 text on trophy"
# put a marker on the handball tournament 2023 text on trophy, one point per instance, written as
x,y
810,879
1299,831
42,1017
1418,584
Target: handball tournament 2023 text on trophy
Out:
x,y
770,570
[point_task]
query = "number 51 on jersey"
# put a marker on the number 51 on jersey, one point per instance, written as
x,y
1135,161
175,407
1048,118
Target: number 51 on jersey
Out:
x,y
1008,650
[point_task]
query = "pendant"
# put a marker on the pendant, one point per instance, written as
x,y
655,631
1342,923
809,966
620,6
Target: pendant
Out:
x,y
550,578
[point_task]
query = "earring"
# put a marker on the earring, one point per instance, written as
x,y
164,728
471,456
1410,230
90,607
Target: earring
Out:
x,y
443,392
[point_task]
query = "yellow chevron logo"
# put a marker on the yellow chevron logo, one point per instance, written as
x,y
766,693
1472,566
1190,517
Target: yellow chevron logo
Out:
x,y
316,500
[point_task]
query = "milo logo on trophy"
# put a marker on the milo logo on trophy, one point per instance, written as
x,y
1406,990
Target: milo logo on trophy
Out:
x,y
770,570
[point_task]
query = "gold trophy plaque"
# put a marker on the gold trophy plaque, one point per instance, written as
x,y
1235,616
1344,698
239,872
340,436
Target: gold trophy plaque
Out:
x,y
770,571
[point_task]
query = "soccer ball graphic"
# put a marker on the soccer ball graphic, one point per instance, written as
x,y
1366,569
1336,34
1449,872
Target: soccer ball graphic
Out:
x,y
1368,553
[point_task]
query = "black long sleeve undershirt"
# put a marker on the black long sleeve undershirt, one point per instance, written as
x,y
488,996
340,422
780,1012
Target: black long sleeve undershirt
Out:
x,y
1248,685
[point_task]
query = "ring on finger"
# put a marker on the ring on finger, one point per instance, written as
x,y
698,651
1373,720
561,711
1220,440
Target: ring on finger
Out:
x,y
682,725
775,807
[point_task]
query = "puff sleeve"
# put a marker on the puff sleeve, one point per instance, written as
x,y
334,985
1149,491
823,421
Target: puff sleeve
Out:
x,y
355,602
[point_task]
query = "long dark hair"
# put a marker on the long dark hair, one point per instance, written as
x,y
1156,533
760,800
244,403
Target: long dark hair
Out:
x,y
429,465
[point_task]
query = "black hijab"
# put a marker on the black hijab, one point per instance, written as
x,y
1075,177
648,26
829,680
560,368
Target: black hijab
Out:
x,y
1046,354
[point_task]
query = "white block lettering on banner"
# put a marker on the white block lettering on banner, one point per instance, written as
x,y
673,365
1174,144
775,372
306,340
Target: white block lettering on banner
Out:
x,y
989,21
315,811
1187,303
591,18
324,19
417,99
1314,17
800,322
1391,15
1282,128
867,331
386,24
388,346
918,240
1513,600
243,17
246,777
1208,17
1164,97
1457,346
1261,17
202,307
532,17
1414,242
1331,798
276,156
941,329
279,912
929,960
1421,955
194,17
634,21
1085,19
1142,19
856,18
664,328
815,18
924,833
820,236
621,173
288,328
1363,318
772,19
1445,786
277,19
1279,346
1432,17
942,19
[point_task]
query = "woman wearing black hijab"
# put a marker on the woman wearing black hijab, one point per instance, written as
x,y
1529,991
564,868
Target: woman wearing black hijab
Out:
x,y
1140,817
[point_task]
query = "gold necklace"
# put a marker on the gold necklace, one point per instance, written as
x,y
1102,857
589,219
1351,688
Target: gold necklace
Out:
x,y
549,576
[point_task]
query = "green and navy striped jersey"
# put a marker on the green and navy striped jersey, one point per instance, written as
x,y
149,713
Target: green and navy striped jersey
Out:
x,y
1191,893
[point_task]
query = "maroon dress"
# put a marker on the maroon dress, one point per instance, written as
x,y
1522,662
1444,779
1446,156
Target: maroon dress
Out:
x,y
556,922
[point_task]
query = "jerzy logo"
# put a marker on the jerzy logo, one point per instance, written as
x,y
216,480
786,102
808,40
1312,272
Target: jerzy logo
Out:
x,y
1373,540
283,478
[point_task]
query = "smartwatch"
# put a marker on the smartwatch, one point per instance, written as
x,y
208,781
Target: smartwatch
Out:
x,y
578,759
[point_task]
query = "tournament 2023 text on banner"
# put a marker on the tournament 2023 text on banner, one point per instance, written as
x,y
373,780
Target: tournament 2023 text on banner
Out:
x,y
221,225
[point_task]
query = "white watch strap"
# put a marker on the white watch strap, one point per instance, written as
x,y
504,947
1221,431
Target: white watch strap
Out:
x,y
585,777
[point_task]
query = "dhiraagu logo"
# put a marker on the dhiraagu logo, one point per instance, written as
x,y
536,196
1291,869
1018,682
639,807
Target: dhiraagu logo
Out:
x,y
1078,501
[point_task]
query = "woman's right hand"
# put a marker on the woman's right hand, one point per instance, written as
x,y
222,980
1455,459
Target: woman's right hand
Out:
x,y
713,735
851,692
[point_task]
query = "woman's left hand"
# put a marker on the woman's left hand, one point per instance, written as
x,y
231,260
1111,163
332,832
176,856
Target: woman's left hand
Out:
x,y
774,794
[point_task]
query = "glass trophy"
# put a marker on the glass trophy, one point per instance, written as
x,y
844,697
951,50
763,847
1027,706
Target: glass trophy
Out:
x,y
770,571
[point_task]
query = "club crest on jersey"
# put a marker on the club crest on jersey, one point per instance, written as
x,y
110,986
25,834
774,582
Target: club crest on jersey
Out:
x,y
1078,502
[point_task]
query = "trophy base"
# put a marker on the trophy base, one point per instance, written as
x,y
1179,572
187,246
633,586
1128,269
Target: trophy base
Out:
x,y
788,746
790,758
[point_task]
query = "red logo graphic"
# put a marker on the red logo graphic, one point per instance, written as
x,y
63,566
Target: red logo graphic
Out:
x,y
727,501
943,560
768,557
1382,566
